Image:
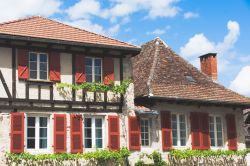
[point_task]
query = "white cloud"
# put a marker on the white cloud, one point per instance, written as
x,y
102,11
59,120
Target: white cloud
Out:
x,y
84,9
189,15
241,83
113,31
159,31
199,44
15,9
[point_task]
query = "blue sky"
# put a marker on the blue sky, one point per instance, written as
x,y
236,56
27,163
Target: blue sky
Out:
x,y
190,27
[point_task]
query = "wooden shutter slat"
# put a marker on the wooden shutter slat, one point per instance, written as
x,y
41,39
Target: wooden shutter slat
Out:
x,y
76,133
59,133
134,133
17,132
54,66
195,130
80,68
114,132
23,69
231,132
204,122
166,130
108,70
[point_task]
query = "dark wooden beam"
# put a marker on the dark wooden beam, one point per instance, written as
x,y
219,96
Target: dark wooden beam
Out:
x,y
121,79
14,72
73,76
27,90
5,85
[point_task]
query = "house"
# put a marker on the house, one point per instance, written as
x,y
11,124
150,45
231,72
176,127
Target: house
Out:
x,y
180,107
38,117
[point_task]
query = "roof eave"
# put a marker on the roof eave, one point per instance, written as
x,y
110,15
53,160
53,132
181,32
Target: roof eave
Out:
x,y
133,50
243,105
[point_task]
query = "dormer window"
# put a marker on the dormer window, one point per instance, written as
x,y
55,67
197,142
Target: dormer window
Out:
x,y
38,66
93,68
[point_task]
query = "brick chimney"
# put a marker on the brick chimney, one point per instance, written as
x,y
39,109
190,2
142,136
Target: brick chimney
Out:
x,y
209,65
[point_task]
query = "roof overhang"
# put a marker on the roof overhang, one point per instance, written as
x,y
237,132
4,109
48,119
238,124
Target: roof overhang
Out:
x,y
126,50
232,104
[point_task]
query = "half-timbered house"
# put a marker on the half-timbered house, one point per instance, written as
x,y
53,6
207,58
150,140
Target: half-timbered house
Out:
x,y
37,116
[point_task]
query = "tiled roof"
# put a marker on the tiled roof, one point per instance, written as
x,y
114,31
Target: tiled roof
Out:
x,y
39,27
160,72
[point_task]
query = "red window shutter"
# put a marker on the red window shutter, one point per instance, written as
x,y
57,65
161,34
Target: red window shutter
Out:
x,y
23,70
59,133
231,132
204,123
134,133
166,130
80,69
108,70
54,66
76,133
195,130
17,132
114,132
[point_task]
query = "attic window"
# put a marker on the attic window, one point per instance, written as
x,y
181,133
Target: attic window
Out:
x,y
190,79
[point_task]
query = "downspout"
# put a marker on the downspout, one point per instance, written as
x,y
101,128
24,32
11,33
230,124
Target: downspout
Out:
x,y
152,70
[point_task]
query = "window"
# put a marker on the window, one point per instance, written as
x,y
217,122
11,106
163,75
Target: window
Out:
x,y
93,132
37,133
215,129
93,69
38,66
179,134
145,132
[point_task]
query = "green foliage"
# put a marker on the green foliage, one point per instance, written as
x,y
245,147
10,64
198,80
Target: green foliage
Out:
x,y
98,87
155,156
98,156
184,154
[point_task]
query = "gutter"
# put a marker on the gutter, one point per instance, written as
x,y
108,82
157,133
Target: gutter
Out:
x,y
55,41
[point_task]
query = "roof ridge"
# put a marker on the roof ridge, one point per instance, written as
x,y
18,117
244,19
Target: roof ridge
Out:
x,y
152,70
20,19
59,22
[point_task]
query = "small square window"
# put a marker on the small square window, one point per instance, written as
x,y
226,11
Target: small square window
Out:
x,y
93,69
38,66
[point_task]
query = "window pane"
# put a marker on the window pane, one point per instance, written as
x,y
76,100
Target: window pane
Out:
x,y
87,122
43,66
31,143
88,70
43,144
88,61
88,143
89,78
43,132
98,71
174,141
33,57
33,66
43,75
33,74
98,133
31,121
43,57
43,121
219,142
98,143
98,62
97,78
98,122
31,132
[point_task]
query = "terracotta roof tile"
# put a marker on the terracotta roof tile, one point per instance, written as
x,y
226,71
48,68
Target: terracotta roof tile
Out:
x,y
39,27
173,77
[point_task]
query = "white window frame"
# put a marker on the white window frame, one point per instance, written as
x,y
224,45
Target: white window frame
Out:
x,y
215,130
37,134
38,66
178,129
93,132
93,67
149,132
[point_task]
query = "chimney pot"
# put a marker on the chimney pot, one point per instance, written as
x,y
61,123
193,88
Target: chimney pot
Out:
x,y
208,63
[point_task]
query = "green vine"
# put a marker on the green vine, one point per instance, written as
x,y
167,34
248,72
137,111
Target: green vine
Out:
x,y
98,87
98,156
184,154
